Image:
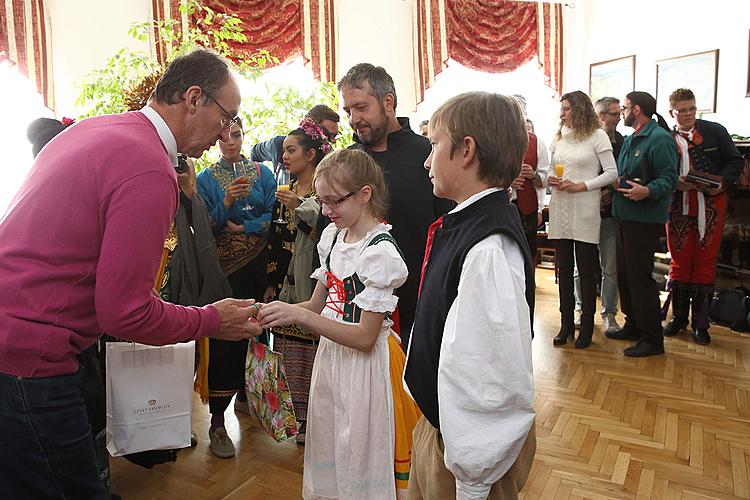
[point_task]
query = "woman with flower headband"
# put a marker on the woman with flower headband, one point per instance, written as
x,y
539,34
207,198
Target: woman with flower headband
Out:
x,y
293,256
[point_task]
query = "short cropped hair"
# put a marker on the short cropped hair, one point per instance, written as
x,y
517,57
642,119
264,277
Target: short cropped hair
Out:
x,y
602,105
497,124
380,82
352,169
680,95
321,112
202,67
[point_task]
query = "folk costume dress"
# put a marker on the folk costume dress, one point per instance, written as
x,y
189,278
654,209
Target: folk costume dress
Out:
x,y
349,450
243,260
293,255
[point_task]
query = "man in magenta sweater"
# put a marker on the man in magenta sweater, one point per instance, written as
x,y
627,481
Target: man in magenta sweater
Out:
x,y
80,246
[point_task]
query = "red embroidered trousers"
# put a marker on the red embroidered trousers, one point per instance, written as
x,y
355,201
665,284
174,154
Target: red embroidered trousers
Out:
x,y
693,260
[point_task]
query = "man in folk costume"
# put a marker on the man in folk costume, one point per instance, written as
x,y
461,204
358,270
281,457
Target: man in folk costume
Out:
x,y
696,216
528,187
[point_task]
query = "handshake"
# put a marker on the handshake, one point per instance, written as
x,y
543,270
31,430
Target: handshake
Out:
x,y
245,318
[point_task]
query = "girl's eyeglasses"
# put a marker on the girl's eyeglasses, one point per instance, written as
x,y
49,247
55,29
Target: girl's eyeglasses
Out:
x,y
335,203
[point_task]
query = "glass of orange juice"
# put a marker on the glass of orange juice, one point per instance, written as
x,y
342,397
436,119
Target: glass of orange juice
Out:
x,y
283,178
559,170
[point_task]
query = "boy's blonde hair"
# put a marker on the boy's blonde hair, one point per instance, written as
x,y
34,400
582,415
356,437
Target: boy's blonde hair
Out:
x,y
352,169
497,124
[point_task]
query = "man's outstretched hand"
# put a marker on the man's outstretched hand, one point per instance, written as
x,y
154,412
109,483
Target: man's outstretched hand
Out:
x,y
237,319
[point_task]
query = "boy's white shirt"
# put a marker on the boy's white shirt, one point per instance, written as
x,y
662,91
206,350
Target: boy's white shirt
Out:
x,y
485,375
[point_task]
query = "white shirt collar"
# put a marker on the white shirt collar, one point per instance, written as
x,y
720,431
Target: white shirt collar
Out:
x,y
475,197
165,134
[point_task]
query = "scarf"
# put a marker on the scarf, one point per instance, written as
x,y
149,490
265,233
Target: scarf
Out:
x,y
196,277
682,145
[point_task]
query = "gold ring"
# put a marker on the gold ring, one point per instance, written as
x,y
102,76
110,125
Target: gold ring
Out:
x,y
257,306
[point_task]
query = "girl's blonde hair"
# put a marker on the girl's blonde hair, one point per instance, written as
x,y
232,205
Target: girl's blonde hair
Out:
x,y
352,169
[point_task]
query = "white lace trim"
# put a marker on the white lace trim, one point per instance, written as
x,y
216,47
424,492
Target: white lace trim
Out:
x,y
376,300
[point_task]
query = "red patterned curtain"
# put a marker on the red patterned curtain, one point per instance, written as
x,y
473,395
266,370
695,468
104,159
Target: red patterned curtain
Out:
x,y
493,36
23,41
285,28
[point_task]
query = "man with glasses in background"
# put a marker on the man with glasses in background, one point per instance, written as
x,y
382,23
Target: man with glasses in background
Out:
x,y
696,215
609,111
272,149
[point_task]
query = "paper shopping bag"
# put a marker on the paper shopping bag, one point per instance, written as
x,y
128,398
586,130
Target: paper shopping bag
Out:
x,y
149,396
268,393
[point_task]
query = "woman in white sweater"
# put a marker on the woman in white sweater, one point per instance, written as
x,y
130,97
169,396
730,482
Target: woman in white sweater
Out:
x,y
585,153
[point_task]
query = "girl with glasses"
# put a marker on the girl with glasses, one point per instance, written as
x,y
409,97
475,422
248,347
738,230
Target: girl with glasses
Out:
x,y
349,451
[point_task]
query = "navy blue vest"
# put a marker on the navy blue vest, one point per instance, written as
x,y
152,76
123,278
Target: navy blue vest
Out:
x,y
492,214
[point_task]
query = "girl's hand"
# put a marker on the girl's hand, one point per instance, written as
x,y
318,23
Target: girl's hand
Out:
x,y
554,180
280,314
235,228
572,187
289,199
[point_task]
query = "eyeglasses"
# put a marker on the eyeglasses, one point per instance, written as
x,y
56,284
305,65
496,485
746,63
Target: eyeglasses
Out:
x,y
611,113
685,111
625,108
333,204
227,120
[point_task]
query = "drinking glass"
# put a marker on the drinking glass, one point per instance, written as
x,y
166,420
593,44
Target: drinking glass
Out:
x,y
559,170
283,178
241,174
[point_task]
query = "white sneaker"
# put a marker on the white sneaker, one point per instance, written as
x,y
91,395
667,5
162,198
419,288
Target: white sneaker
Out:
x,y
610,323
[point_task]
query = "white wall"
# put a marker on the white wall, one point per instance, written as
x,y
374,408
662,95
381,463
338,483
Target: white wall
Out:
x,y
379,33
599,30
85,33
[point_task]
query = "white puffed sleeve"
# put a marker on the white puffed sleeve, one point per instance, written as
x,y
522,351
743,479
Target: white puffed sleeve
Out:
x,y
324,248
381,269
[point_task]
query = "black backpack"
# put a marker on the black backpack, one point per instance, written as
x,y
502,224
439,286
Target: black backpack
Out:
x,y
732,308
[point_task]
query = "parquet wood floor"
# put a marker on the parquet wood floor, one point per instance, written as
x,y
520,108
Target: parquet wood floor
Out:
x,y
667,427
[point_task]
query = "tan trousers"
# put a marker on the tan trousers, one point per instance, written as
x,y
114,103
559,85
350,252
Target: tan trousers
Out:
x,y
429,479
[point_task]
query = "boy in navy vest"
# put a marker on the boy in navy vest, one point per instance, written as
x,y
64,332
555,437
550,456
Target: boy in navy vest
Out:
x,y
469,358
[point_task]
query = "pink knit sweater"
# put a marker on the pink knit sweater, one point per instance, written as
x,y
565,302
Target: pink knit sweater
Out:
x,y
80,246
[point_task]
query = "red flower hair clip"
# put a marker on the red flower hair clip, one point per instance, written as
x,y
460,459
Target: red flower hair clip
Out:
x,y
67,122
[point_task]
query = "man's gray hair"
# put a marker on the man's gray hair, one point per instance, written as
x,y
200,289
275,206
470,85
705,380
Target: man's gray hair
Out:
x,y
380,82
202,68
602,105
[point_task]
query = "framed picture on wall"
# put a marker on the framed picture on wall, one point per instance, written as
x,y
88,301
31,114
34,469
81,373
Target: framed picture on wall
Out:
x,y
613,78
697,72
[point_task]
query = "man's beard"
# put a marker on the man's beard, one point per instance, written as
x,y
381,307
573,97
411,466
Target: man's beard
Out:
x,y
629,120
377,133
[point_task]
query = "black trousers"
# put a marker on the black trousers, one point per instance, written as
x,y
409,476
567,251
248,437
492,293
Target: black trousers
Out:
x,y
585,258
639,293
530,225
226,365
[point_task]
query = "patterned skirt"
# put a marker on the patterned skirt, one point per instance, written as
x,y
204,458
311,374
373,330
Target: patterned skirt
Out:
x,y
298,355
